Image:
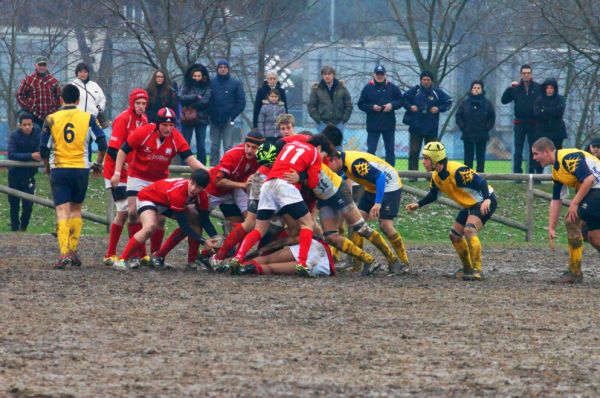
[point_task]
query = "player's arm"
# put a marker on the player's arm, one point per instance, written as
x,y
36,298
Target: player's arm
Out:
x,y
554,212
431,197
187,229
100,139
117,138
584,176
365,170
46,143
312,174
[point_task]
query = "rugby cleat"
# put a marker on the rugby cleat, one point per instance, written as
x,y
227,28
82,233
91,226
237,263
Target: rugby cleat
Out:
x,y
134,263
145,261
214,262
569,277
204,262
157,262
62,262
458,274
398,268
109,261
302,270
75,260
234,266
248,269
191,266
120,265
221,269
472,275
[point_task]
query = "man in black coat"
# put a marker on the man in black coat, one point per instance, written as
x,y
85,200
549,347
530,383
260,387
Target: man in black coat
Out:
x,y
524,94
23,145
379,99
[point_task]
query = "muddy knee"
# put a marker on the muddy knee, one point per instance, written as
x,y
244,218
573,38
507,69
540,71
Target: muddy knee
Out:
x,y
470,230
363,229
454,235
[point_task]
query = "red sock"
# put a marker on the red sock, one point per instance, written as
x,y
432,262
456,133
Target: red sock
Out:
x,y
193,246
304,240
113,239
234,237
132,247
172,241
132,229
156,240
249,241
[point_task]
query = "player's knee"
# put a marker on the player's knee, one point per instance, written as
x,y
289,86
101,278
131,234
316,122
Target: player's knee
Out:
x,y
470,230
120,218
363,229
387,227
454,235
332,237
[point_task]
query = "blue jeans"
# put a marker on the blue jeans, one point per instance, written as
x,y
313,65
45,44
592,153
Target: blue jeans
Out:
x,y
188,133
389,142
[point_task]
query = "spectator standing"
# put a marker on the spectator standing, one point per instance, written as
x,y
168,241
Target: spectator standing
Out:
x,y
228,102
423,104
475,118
548,110
523,93
379,99
160,95
194,97
270,83
91,96
330,101
39,92
267,119
24,146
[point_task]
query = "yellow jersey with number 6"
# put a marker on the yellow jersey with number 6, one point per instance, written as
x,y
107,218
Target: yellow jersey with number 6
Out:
x,y
70,135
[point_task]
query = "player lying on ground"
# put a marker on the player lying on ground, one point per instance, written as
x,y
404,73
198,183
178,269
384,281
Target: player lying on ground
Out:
x,y
381,200
277,196
579,170
169,198
468,190
284,261
67,133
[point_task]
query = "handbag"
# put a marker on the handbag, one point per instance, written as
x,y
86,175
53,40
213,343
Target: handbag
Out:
x,y
189,116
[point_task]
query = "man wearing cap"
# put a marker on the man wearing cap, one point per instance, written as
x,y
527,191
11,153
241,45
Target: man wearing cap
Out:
x,y
423,104
471,192
39,92
227,102
379,99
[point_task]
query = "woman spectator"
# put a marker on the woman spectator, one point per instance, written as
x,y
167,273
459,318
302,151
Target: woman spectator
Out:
x,y
194,97
160,95
271,83
475,118
548,110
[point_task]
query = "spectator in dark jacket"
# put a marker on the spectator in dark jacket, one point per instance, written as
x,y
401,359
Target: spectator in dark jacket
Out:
x,y
271,83
195,93
161,94
330,101
423,104
379,99
475,118
267,119
23,145
549,109
39,92
524,94
227,102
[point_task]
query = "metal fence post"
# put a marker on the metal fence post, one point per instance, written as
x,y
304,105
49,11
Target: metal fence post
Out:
x,y
529,215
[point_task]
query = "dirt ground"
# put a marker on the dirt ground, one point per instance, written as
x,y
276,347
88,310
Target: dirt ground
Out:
x,y
96,332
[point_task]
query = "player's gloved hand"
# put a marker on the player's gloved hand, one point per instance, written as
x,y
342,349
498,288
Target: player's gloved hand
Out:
x,y
485,206
374,213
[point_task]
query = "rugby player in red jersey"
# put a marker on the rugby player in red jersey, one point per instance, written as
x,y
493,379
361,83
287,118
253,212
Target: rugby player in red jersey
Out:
x,y
122,127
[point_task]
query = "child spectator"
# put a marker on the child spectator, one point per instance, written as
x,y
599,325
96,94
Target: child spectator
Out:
x,y
267,118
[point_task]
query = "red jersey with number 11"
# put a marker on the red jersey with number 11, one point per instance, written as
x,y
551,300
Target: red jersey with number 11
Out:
x,y
299,157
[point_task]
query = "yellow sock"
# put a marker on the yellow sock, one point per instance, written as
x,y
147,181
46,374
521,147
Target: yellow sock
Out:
x,y
462,249
575,255
335,253
475,251
62,234
377,240
358,241
75,225
398,245
350,248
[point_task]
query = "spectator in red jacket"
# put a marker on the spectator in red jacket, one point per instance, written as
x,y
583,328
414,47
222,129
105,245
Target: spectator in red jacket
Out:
x,y
39,92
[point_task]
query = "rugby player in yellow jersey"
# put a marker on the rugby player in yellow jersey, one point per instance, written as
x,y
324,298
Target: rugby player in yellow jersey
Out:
x,y
468,190
64,148
579,170
381,199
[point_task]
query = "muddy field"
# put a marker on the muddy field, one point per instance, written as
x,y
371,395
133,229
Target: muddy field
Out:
x,y
96,332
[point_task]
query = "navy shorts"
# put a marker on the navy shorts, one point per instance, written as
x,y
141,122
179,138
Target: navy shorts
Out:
x,y
69,185
390,205
589,210
462,216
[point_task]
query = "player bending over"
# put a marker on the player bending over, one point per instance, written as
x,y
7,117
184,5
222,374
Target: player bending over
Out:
x,y
468,190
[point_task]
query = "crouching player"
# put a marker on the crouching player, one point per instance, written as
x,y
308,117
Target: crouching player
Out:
x,y
579,170
284,261
472,193
169,198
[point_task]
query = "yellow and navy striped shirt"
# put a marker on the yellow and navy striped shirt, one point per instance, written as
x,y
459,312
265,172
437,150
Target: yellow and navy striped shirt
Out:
x,y
571,167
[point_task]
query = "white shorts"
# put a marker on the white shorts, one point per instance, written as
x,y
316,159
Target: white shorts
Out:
x,y
276,194
136,184
146,203
318,260
239,197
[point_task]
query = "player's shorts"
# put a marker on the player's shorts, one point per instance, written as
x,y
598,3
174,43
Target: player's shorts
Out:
x,y
589,209
390,205
135,185
319,261
340,202
119,194
462,216
143,205
232,204
279,196
69,185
